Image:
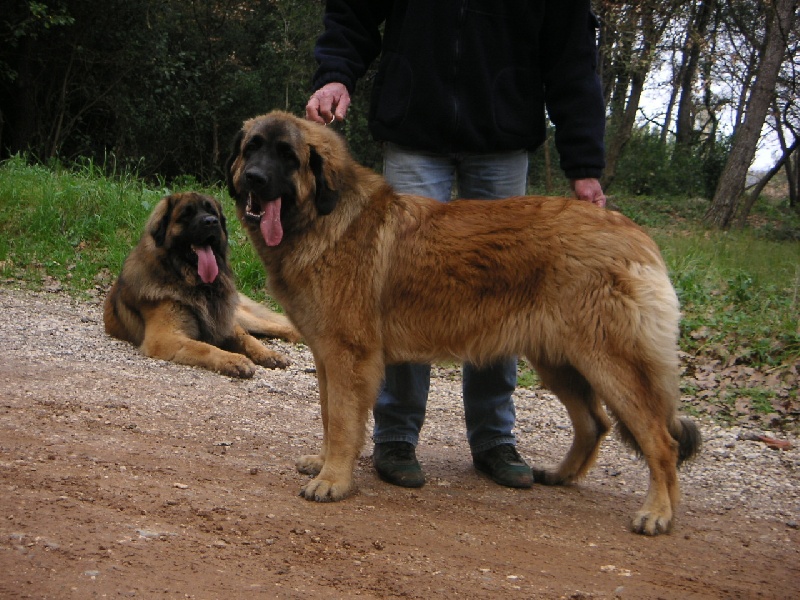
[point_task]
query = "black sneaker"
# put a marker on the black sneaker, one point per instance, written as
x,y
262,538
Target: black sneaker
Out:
x,y
504,465
396,463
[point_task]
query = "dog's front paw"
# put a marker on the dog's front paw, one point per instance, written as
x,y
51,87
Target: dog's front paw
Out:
x,y
310,464
650,523
324,490
272,360
236,365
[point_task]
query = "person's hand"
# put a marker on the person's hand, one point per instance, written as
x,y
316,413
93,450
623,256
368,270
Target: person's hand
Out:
x,y
589,190
328,103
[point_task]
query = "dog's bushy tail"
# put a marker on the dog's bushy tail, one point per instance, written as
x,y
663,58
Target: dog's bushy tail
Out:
x,y
687,434
683,430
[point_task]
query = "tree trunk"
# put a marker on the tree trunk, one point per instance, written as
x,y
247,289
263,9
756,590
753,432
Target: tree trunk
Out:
x,y
608,41
623,132
734,174
792,163
621,72
548,168
622,123
673,97
741,218
695,37
793,178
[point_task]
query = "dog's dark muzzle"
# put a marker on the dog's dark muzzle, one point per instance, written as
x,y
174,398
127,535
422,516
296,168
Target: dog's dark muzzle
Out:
x,y
206,230
209,222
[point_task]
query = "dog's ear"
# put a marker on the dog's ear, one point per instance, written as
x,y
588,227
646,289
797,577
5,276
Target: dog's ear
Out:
x,y
325,199
235,152
159,221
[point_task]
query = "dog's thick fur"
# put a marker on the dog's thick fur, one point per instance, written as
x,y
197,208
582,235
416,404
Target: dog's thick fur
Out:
x,y
161,303
370,277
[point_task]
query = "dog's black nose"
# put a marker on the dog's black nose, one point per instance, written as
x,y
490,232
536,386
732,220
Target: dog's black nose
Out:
x,y
255,177
209,221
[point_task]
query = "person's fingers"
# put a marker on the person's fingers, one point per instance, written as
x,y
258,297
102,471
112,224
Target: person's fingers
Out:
x,y
597,198
312,110
328,103
589,190
341,106
321,107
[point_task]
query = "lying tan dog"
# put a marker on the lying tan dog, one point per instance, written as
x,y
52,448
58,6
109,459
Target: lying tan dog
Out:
x,y
371,277
176,299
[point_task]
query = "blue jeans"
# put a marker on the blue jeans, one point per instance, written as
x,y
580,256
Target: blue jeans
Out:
x,y
488,408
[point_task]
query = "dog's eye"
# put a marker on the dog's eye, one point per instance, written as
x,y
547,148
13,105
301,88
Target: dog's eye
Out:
x,y
188,212
284,151
252,145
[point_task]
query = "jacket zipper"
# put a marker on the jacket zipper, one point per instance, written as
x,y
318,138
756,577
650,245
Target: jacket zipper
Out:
x,y
456,62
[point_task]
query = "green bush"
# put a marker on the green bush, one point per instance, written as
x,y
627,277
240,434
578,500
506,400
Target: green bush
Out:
x,y
651,167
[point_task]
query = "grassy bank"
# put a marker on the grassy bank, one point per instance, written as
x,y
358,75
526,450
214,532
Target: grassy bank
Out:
x,y
70,230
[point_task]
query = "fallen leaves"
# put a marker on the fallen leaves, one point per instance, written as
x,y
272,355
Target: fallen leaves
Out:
x,y
760,396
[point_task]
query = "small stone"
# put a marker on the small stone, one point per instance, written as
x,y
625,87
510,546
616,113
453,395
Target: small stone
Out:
x,y
608,568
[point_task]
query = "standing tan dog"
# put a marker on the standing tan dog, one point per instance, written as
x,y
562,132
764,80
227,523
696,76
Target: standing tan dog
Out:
x,y
176,299
371,277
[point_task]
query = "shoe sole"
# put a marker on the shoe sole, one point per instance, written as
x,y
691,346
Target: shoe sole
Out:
x,y
503,482
400,481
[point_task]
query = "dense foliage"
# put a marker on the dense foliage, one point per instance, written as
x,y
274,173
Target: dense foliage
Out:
x,y
160,87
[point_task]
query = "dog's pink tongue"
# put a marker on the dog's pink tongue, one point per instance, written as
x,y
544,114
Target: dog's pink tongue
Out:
x,y
206,264
271,227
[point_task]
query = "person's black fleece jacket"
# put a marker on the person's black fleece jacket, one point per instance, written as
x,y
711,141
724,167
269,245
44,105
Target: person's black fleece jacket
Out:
x,y
473,75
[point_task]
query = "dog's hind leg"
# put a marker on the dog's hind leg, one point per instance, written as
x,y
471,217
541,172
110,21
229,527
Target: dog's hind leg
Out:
x,y
244,343
660,451
258,320
589,421
165,338
644,406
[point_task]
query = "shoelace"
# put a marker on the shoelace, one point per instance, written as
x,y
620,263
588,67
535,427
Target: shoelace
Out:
x,y
401,452
509,454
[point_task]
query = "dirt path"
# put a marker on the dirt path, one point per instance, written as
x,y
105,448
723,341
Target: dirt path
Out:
x,y
122,476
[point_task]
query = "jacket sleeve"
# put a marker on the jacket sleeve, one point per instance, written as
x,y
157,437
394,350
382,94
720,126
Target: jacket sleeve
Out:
x,y
350,41
573,93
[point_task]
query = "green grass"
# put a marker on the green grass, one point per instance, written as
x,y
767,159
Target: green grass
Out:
x,y
739,290
526,376
75,227
739,294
